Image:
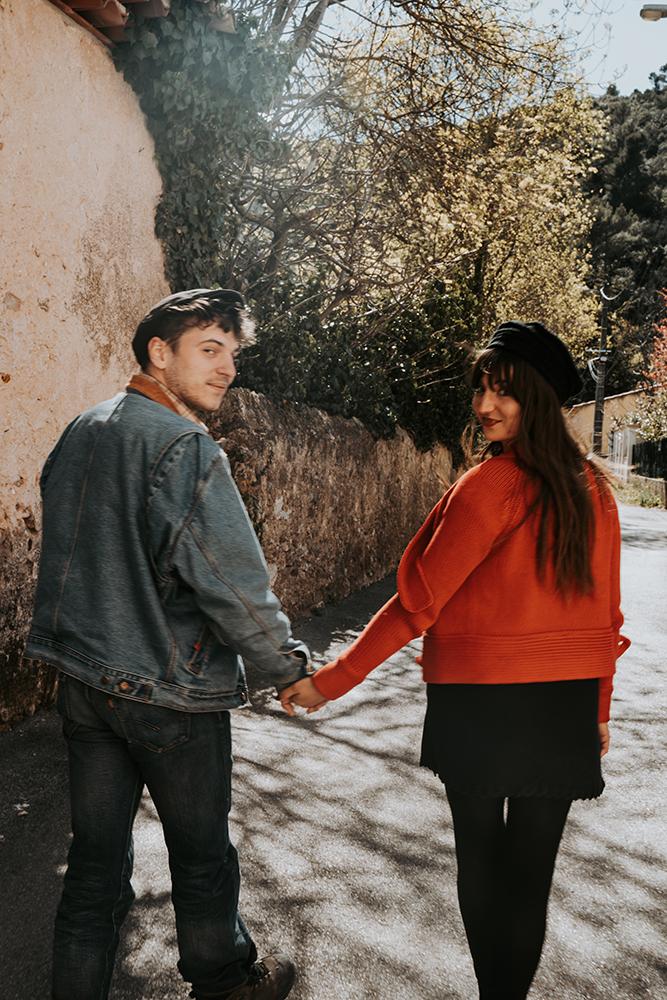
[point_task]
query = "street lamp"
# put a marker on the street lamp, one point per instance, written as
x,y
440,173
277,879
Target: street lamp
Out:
x,y
653,11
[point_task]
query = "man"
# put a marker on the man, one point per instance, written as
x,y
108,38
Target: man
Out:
x,y
152,585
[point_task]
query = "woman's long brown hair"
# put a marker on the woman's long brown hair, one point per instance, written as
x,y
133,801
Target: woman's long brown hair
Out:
x,y
545,449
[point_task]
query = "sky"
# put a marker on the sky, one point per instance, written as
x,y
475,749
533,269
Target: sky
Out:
x,y
624,48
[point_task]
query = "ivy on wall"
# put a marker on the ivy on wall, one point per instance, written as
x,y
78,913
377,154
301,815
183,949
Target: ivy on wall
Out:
x,y
204,93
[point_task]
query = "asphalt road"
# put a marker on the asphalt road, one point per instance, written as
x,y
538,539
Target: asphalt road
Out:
x,y
346,845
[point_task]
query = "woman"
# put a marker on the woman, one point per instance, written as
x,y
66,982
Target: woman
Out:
x,y
514,581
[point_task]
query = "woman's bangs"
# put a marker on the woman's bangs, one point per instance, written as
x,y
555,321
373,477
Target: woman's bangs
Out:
x,y
497,365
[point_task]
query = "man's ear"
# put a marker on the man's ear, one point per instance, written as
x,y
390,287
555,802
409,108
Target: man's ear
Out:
x,y
158,352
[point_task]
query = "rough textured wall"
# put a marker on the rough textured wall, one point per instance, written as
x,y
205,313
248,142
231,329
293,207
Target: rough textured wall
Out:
x,y
333,506
581,416
81,265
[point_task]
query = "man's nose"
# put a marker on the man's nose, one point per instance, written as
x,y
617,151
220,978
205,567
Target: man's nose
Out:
x,y
227,366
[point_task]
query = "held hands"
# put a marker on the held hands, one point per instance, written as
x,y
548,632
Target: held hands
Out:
x,y
302,693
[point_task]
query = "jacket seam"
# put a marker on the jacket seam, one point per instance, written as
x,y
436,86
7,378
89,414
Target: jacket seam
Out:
x,y
199,492
237,593
187,432
84,490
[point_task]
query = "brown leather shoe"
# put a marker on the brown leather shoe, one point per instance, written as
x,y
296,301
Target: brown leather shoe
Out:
x,y
272,978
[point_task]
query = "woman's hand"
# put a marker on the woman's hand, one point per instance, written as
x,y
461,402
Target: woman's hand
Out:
x,y
302,693
603,731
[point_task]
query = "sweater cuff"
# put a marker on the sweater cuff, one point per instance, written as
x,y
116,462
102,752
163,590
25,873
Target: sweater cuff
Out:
x,y
335,679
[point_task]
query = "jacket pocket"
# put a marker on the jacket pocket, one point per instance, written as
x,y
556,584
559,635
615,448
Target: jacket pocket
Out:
x,y
200,652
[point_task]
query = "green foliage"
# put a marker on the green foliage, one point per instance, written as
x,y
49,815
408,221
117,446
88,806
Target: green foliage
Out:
x,y
204,93
392,366
337,226
637,494
205,96
629,234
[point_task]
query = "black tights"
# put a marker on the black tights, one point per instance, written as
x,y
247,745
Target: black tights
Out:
x,y
504,877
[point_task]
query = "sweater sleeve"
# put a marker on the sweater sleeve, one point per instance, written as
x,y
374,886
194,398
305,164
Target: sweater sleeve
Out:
x,y
456,537
606,684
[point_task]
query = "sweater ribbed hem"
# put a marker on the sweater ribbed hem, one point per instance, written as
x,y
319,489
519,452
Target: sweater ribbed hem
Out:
x,y
469,659
549,656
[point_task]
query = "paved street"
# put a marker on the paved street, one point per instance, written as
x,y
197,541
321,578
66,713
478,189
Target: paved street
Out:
x,y
346,845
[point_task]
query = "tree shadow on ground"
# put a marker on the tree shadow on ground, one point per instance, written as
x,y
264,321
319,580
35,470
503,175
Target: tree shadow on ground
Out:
x,y
343,809
644,539
35,832
347,857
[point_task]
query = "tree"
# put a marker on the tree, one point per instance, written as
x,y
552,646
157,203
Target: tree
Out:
x,y
292,144
629,233
384,189
651,415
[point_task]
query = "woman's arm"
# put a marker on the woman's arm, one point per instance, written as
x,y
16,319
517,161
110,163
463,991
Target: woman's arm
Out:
x,y
455,538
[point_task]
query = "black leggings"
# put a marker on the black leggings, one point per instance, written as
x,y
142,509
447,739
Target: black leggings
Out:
x,y
504,878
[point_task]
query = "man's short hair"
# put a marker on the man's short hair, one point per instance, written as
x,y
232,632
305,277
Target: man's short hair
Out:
x,y
178,313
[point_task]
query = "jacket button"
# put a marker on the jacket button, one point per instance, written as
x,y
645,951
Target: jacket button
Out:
x,y
104,680
123,686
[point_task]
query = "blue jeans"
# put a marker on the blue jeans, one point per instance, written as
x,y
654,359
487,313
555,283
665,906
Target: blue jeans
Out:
x,y
115,747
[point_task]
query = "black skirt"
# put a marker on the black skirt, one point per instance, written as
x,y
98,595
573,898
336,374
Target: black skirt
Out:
x,y
505,740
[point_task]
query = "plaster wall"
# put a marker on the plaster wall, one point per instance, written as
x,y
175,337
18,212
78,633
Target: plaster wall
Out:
x,y
581,416
81,264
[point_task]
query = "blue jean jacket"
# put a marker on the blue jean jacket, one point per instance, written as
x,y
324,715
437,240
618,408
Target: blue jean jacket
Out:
x,y
152,584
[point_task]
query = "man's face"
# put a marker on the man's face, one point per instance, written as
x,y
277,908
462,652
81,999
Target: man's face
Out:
x,y
200,367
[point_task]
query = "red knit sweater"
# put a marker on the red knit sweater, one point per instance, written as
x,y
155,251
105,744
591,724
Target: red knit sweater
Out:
x,y
468,581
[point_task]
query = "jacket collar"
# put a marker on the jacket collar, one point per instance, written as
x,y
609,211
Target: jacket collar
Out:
x,y
148,386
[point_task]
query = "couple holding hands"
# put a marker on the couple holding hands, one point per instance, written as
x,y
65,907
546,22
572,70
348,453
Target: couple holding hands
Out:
x,y
512,580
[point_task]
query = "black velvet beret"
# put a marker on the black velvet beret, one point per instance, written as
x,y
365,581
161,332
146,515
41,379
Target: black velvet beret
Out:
x,y
544,351
150,324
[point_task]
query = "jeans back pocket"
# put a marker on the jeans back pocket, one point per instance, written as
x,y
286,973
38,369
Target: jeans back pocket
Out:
x,y
151,726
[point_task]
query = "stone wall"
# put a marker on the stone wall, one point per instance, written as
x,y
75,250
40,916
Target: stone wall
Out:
x,y
81,265
332,505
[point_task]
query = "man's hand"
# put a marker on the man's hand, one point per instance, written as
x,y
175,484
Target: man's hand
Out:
x,y
603,731
302,693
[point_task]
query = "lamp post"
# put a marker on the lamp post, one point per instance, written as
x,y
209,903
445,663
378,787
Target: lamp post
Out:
x,y
653,11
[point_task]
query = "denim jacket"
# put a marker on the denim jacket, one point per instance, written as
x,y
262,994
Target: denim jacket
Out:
x,y
152,584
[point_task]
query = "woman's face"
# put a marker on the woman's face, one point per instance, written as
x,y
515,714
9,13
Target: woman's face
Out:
x,y
497,411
